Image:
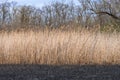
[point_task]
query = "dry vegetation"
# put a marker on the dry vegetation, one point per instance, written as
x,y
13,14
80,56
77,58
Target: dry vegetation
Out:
x,y
59,47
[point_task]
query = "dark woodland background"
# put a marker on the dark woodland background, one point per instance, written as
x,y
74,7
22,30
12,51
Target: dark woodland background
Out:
x,y
88,14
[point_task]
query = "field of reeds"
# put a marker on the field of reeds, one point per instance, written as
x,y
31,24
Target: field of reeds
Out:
x,y
59,47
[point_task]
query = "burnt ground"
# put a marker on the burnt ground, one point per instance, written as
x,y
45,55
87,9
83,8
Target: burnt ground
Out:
x,y
66,72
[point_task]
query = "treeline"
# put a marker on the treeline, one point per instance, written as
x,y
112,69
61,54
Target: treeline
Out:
x,y
89,13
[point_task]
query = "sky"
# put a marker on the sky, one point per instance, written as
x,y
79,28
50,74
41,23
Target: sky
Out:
x,y
36,3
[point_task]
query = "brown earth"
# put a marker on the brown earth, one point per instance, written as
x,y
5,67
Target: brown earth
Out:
x,y
66,72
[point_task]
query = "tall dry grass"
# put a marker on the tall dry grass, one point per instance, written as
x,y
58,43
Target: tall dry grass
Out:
x,y
59,47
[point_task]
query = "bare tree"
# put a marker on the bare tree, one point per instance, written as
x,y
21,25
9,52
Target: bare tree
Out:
x,y
4,13
87,14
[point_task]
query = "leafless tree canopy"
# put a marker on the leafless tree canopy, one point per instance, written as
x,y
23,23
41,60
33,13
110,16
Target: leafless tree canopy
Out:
x,y
87,14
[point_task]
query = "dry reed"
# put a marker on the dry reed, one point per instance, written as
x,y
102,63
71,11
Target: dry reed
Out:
x,y
59,47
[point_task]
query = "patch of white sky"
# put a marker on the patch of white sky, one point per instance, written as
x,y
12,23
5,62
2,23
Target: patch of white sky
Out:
x,y
38,3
